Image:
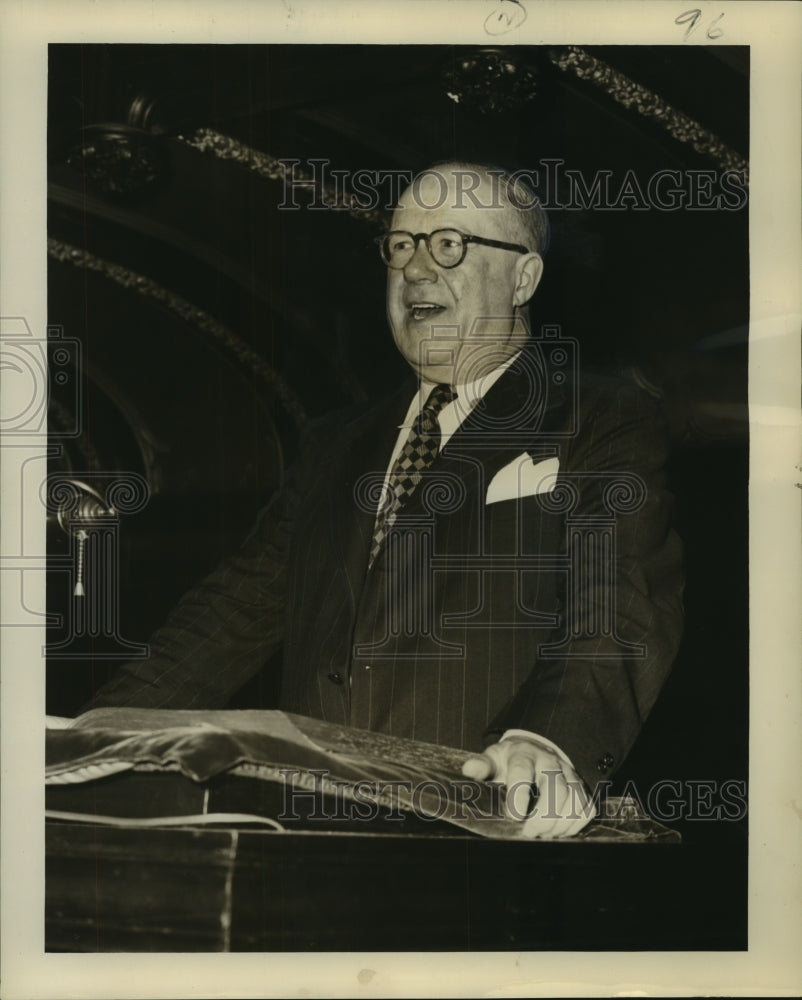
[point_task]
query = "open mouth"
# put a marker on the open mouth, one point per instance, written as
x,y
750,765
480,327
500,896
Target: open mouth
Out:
x,y
425,310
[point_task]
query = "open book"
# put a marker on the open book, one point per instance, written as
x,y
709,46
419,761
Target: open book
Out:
x,y
155,767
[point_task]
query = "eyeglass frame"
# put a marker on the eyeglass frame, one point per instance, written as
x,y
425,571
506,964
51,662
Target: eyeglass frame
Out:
x,y
467,239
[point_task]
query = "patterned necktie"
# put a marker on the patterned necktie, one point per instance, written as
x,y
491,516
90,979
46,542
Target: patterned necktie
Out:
x,y
419,451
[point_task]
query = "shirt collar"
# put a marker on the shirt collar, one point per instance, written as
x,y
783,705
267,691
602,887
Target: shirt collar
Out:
x,y
469,395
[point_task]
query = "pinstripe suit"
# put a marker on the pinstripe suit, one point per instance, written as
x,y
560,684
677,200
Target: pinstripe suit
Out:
x,y
442,640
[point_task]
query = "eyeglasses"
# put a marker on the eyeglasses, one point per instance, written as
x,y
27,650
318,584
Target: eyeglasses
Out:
x,y
446,246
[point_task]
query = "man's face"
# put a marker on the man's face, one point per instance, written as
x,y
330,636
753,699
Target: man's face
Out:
x,y
455,324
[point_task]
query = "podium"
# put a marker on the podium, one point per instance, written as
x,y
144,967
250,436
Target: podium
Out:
x,y
164,837
163,890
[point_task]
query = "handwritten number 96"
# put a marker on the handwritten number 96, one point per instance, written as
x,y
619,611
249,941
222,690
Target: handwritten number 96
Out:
x,y
691,18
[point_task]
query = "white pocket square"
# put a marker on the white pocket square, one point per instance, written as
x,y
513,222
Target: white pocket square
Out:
x,y
523,477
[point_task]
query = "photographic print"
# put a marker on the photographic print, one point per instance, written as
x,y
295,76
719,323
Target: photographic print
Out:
x,y
388,439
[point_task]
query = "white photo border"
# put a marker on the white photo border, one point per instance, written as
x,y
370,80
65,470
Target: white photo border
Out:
x,y
772,966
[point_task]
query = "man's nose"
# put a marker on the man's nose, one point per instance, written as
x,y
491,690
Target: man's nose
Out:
x,y
421,266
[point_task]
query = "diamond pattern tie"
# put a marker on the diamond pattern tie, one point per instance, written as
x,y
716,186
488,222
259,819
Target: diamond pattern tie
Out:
x,y
419,451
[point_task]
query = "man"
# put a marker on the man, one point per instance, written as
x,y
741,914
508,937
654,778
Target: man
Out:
x,y
417,564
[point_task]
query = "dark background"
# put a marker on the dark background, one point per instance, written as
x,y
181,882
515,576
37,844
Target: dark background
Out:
x,y
232,323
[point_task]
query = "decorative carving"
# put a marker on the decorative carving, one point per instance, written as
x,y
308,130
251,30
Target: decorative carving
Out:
x,y
491,80
119,161
188,313
630,94
224,147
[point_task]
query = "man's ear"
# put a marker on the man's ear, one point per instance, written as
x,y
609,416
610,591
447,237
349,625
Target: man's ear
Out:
x,y
529,270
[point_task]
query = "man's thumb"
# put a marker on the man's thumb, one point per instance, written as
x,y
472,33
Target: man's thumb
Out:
x,y
477,768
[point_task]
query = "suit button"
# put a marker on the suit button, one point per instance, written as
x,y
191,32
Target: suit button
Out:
x,y
336,678
605,762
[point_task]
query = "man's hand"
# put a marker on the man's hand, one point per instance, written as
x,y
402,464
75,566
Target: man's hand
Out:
x,y
563,807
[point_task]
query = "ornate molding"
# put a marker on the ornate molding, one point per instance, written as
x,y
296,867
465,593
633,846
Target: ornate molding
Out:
x,y
224,147
630,94
191,314
491,80
120,161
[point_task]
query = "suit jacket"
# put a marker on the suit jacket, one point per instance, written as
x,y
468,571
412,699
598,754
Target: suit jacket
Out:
x,y
557,611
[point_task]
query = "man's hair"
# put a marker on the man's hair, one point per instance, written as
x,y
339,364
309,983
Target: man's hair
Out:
x,y
529,221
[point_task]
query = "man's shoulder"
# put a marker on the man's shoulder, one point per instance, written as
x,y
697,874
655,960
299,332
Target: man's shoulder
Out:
x,y
553,396
354,417
617,394
337,431
596,384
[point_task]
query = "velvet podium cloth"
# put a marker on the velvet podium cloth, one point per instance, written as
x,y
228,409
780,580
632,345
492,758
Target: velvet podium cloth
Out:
x,y
126,766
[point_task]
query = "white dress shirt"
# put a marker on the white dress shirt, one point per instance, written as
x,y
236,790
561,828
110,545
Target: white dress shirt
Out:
x,y
453,414
450,419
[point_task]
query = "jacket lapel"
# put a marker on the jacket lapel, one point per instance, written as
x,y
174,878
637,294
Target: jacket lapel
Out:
x,y
357,474
521,412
